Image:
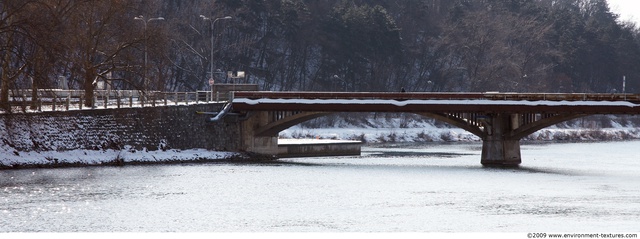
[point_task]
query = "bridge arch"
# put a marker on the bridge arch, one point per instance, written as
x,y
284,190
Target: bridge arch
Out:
x,y
534,126
500,132
281,120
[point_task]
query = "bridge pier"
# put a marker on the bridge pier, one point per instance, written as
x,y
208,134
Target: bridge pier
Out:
x,y
498,148
500,152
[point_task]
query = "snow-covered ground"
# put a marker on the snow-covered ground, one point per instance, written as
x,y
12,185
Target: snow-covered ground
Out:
x,y
11,158
381,135
314,141
401,129
432,134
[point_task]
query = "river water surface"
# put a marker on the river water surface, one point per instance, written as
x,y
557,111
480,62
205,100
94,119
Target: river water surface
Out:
x,y
576,187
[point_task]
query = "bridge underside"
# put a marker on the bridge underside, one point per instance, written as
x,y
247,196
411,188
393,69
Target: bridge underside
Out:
x,y
500,123
500,132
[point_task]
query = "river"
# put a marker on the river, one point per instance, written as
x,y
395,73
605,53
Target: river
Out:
x,y
576,187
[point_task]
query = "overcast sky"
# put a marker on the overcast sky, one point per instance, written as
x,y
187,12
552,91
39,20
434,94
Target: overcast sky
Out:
x,y
628,9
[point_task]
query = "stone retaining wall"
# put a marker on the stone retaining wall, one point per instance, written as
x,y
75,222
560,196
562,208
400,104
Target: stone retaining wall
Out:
x,y
151,128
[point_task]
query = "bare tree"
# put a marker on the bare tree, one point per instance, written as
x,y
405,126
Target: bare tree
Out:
x,y
13,39
94,34
501,50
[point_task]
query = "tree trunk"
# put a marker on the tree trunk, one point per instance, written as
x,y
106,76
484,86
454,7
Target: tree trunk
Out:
x,y
34,95
88,86
4,91
4,88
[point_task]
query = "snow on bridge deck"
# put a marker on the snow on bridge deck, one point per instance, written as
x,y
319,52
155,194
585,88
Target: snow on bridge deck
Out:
x,y
451,102
433,102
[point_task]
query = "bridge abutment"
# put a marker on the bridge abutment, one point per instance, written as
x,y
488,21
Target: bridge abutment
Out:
x,y
251,142
498,149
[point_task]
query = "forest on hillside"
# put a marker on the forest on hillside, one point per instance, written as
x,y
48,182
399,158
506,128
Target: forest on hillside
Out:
x,y
319,45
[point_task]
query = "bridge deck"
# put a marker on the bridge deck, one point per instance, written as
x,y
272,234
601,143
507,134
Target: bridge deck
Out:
x,y
635,98
591,103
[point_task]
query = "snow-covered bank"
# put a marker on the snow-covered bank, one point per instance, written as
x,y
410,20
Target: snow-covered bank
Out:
x,y
382,135
114,137
411,129
15,159
373,128
11,158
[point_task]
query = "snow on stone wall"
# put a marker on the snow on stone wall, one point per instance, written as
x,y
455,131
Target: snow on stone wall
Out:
x,y
131,129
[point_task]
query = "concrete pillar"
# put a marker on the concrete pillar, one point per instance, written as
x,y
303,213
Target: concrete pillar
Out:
x,y
497,148
267,145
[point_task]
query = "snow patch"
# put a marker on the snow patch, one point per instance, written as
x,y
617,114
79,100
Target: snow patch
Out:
x,y
11,158
413,129
433,102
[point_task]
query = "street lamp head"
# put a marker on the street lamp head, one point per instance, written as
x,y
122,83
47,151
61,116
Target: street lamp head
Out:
x,y
211,18
223,18
151,19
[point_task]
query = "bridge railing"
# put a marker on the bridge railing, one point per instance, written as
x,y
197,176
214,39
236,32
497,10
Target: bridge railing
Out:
x,y
564,96
63,100
56,100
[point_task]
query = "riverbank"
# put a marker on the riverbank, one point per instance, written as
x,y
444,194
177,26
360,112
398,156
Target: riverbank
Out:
x,y
428,133
400,128
110,157
12,159
377,131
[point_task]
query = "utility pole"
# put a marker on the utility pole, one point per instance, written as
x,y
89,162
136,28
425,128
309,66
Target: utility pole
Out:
x,y
213,23
145,82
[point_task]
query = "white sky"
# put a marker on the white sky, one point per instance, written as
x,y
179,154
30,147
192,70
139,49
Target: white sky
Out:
x,y
628,9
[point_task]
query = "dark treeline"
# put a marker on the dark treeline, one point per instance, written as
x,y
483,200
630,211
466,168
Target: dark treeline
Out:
x,y
320,45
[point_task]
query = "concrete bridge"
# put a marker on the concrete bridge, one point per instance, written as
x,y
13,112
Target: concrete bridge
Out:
x,y
499,119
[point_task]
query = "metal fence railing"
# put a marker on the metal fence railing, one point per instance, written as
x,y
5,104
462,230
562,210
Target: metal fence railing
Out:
x,y
63,100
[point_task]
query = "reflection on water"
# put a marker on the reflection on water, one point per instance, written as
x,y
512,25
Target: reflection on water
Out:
x,y
417,188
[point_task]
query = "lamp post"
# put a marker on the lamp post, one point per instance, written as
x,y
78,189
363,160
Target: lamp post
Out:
x,y
213,22
344,82
144,70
